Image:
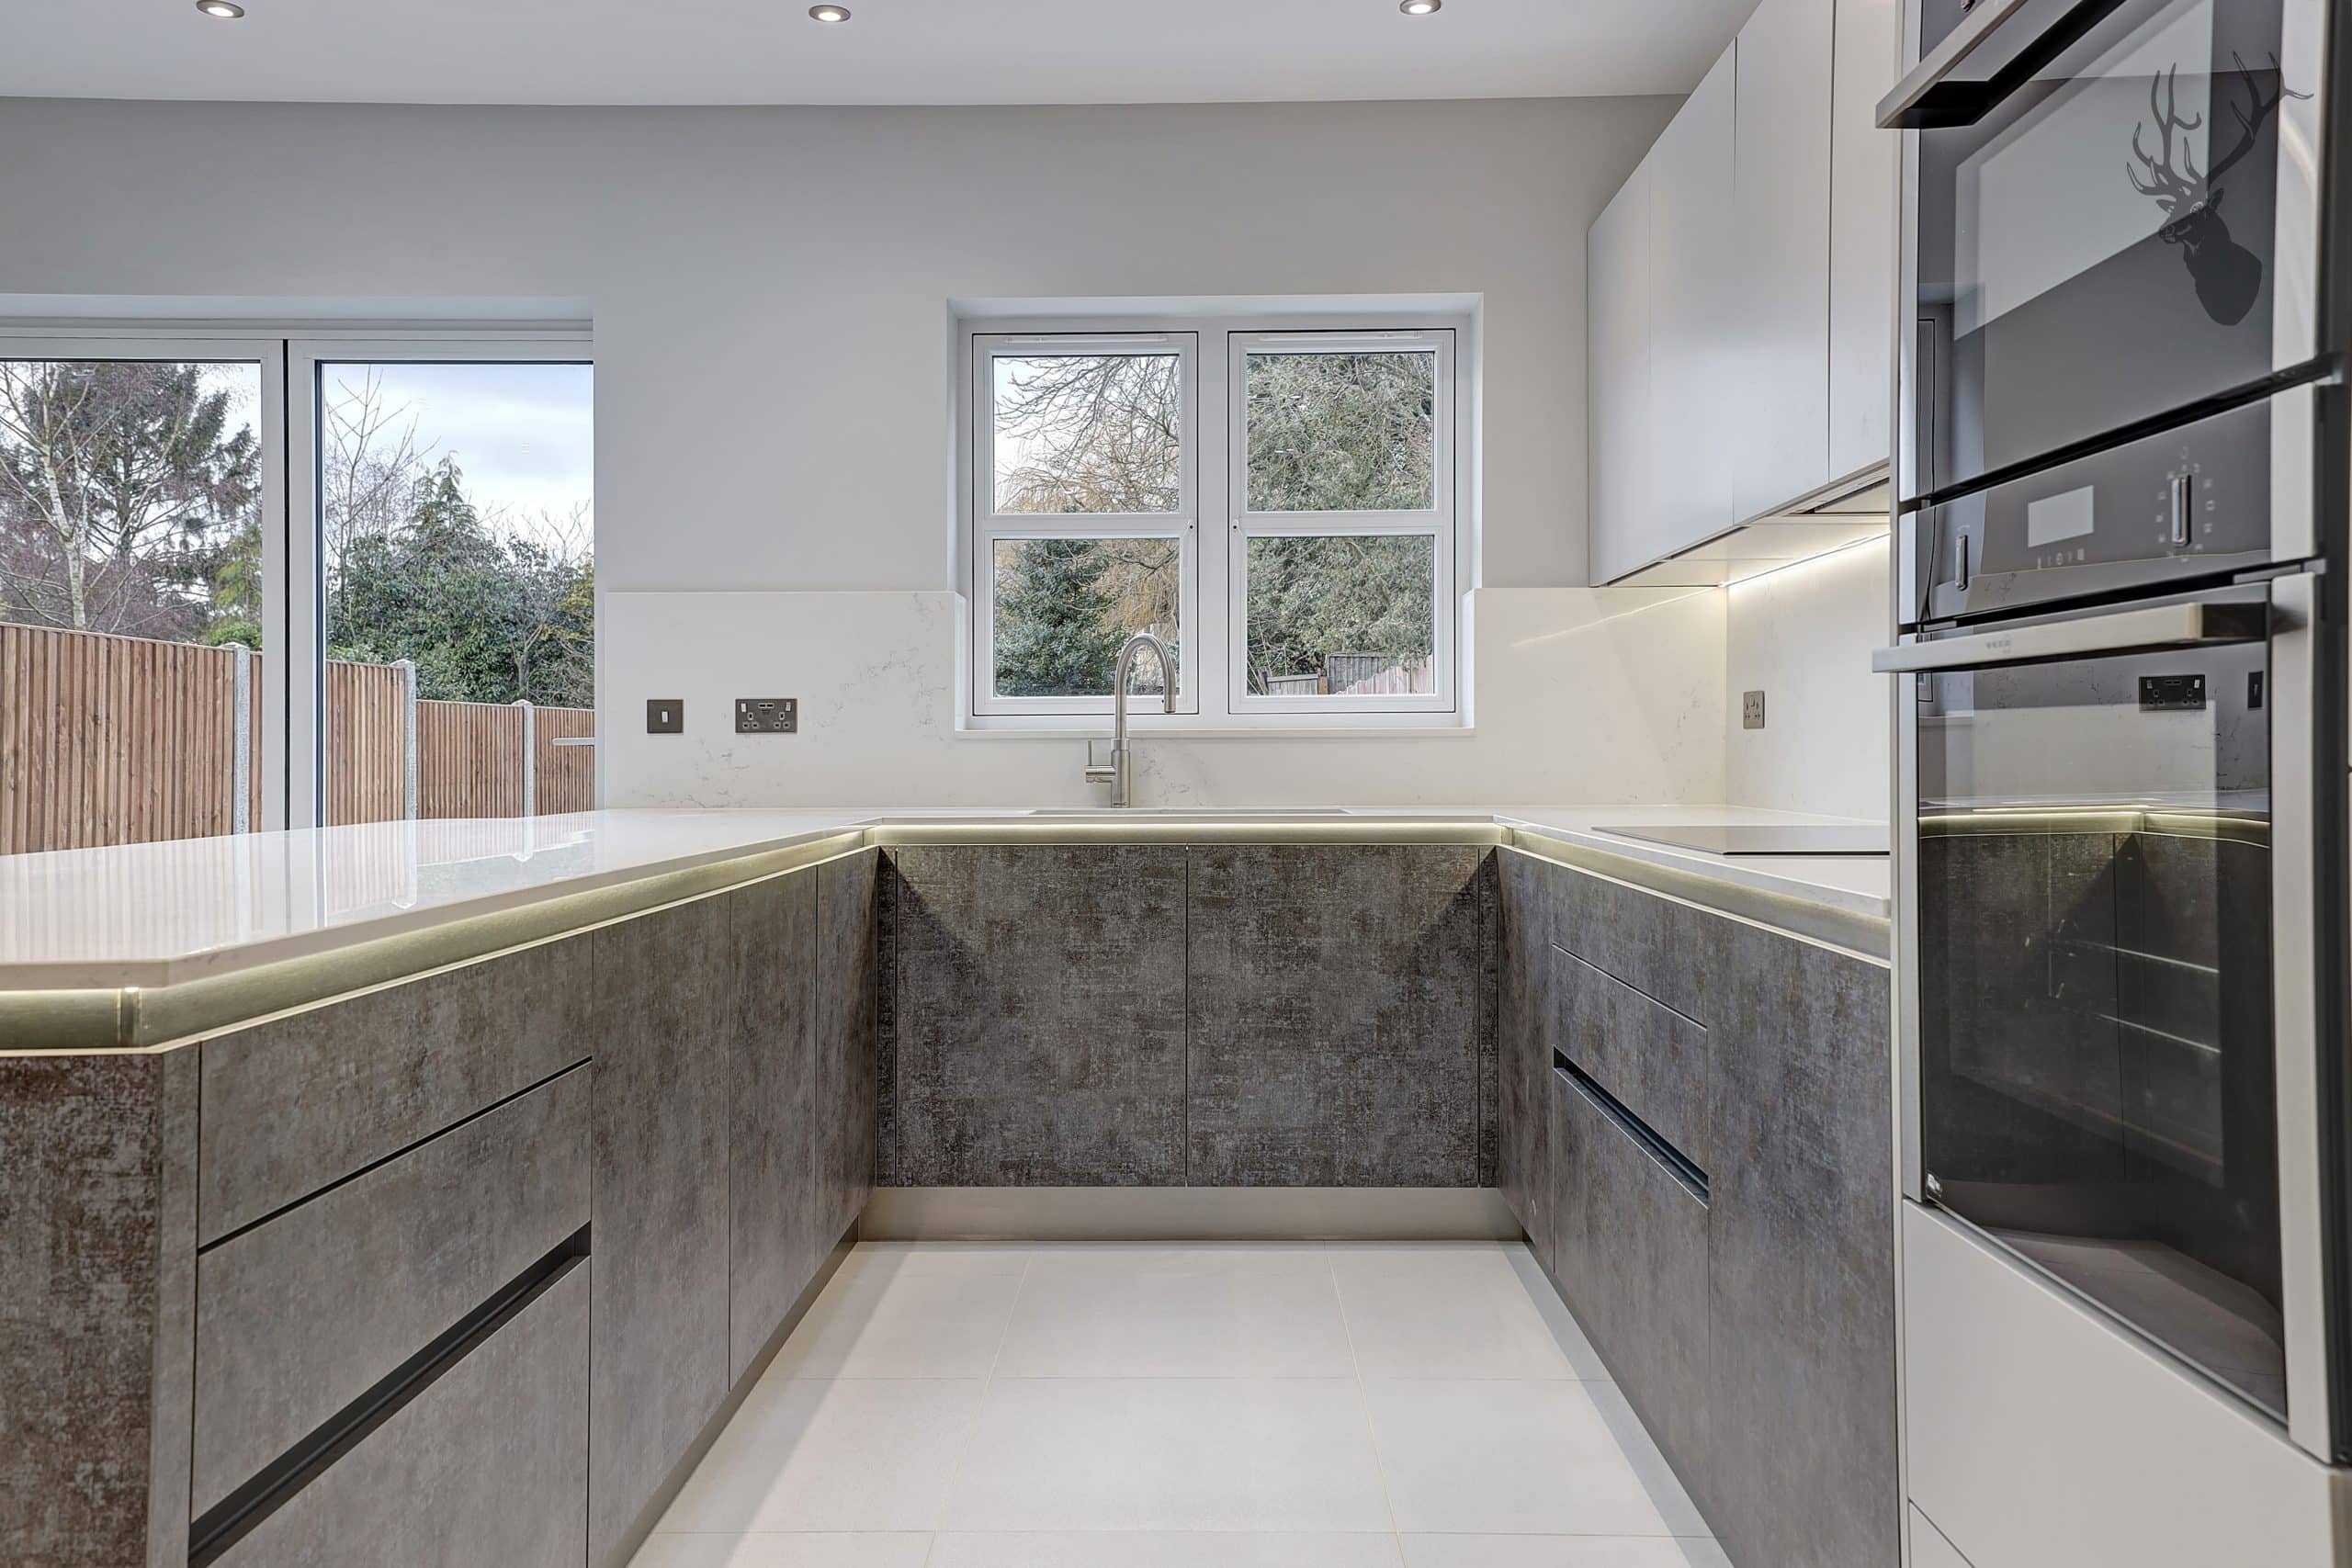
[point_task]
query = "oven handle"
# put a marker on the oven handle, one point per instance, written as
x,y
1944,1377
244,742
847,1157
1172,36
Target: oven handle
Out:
x,y
1928,98
2156,629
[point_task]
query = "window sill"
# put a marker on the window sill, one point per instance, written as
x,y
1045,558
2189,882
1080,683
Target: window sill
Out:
x,y
1448,731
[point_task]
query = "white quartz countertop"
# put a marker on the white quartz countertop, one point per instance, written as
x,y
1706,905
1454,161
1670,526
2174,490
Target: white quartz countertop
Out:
x,y
155,915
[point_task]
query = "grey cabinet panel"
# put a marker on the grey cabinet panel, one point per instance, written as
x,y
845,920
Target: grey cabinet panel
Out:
x,y
1650,1057
848,898
771,1189
292,1105
487,1465
1631,1250
1334,1015
1038,1016
1662,949
658,1172
298,1317
1527,1014
98,1222
1802,1280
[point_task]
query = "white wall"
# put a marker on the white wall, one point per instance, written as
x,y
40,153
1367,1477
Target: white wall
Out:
x,y
1803,635
770,289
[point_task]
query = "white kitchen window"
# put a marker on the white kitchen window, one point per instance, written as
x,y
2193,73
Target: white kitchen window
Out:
x,y
1323,593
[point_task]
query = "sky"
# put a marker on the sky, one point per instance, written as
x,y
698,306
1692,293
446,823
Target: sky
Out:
x,y
523,433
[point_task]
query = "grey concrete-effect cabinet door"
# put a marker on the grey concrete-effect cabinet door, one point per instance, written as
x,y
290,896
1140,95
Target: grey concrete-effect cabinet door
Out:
x,y
1528,1012
1778,360
665,982
847,966
1801,1233
1630,1253
775,1235
487,1465
1037,1016
1333,1015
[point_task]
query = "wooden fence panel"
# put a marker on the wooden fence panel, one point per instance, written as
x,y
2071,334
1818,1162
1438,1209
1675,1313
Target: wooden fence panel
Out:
x,y
366,778
107,739
567,774
110,739
469,759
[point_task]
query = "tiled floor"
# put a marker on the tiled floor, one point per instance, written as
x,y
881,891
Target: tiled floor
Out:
x,y
1121,1406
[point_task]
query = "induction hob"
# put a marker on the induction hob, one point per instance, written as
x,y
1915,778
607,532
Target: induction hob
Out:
x,y
1764,838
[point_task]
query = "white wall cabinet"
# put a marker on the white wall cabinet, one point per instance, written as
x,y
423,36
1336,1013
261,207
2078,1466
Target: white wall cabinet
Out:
x,y
1777,360
1617,370
1740,289
1654,277
1864,251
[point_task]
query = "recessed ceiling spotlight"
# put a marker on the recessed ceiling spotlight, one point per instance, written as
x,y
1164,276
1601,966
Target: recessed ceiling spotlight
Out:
x,y
830,12
1422,7
224,9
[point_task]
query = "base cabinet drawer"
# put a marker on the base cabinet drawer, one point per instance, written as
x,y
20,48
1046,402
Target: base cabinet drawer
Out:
x,y
303,1315
1649,1056
1630,1253
487,1464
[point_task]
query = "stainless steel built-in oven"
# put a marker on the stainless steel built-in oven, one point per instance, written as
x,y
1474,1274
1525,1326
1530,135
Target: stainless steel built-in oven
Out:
x,y
2113,911
2112,221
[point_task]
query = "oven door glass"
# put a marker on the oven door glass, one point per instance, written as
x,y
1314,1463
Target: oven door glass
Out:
x,y
2096,1072
2104,245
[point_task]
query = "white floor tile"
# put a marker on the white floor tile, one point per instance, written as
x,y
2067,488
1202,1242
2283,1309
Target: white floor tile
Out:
x,y
1163,1550
849,1455
772,1549
1169,1454
881,1320
1560,1552
1178,1312
1452,1312
942,1257
1534,1457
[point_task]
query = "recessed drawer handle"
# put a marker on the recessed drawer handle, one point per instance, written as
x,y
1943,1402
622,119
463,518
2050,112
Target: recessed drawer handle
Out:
x,y
1678,1165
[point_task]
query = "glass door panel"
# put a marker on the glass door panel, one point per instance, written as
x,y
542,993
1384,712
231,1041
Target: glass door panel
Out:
x,y
456,539
137,566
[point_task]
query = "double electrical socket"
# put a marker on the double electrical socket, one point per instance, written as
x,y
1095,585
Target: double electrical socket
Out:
x,y
1751,710
767,716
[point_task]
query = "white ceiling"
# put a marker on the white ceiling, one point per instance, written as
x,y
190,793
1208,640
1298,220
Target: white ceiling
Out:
x,y
892,52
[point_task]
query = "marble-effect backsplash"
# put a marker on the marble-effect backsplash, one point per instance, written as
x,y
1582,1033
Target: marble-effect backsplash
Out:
x,y
1602,696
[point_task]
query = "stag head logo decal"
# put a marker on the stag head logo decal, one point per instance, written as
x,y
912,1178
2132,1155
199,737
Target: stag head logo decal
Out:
x,y
2227,275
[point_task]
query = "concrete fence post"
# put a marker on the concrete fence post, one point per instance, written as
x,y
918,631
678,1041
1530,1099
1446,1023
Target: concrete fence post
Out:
x,y
530,757
407,667
240,765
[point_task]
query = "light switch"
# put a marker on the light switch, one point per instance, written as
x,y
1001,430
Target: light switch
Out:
x,y
665,715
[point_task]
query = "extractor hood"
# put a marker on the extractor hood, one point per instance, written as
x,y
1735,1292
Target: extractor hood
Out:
x,y
1847,512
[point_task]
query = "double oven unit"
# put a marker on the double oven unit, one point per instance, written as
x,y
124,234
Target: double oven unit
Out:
x,y
2120,575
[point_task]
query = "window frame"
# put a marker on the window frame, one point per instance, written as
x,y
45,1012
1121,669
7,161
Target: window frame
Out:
x,y
218,343
306,354
1436,522
1213,608
990,526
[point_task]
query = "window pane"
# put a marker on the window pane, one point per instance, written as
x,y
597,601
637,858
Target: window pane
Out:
x,y
1064,608
457,535
131,565
1343,432
1088,433
1342,617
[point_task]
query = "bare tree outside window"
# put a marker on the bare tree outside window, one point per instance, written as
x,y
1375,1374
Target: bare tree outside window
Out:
x,y
130,498
1083,434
